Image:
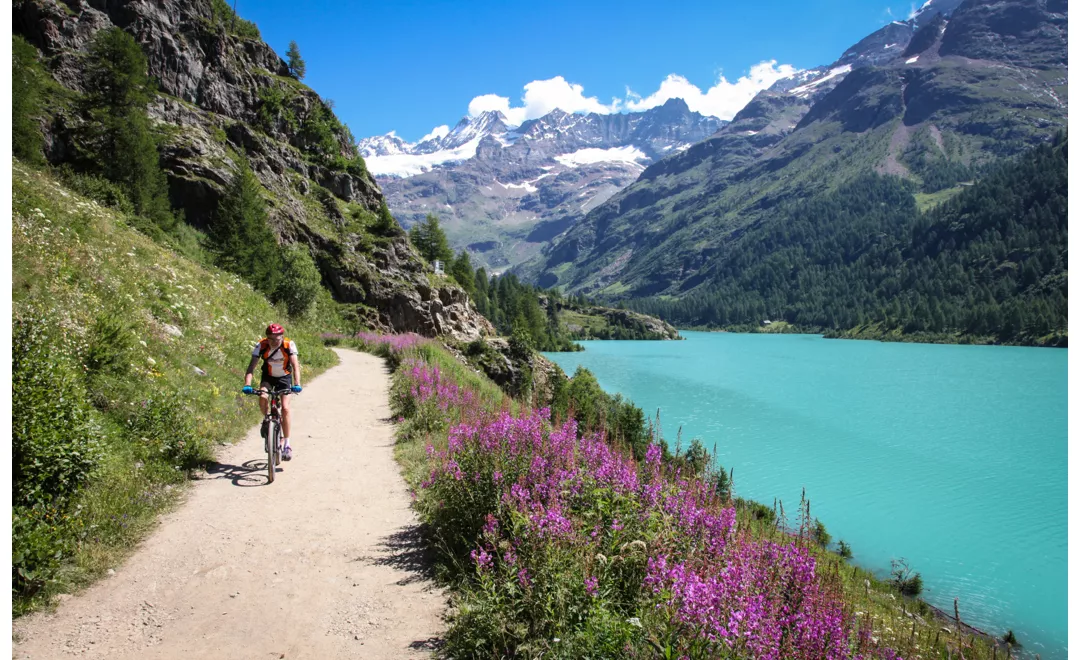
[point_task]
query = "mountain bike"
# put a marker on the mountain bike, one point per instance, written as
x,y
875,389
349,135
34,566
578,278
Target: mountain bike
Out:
x,y
272,425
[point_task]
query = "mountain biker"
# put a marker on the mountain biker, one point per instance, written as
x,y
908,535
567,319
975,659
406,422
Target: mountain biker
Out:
x,y
280,370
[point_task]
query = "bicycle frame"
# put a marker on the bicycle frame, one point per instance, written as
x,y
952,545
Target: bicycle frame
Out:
x,y
272,420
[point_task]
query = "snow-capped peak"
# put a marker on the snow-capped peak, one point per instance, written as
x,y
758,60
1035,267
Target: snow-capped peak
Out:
x,y
382,145
931,9
489,122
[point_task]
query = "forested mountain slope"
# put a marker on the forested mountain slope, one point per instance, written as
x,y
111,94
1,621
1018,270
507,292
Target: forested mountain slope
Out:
x,y
928,104
990,264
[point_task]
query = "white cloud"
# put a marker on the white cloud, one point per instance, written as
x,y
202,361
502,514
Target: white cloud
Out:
x,y
722,100
436,133
540,98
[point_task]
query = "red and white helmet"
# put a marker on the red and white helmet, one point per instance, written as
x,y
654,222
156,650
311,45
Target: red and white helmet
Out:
x,y
275,329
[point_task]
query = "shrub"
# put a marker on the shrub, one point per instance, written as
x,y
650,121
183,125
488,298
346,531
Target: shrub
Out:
x,y
54,447
39,541
904,579
386,225
300,280
109,346
163,429
26,140
273,108
98,188
225,15
844,549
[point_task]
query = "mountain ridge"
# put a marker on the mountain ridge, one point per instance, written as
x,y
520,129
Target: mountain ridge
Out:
x,y
504,191
932,117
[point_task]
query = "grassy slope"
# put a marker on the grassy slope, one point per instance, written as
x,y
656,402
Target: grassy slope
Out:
x,y
77,262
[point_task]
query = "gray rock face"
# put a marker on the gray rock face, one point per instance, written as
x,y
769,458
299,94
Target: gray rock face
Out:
x,y
210,82
508,192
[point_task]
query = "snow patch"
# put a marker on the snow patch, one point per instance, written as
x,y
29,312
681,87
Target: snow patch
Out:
x,y
803,91
914,59
527,186
592,155
406,165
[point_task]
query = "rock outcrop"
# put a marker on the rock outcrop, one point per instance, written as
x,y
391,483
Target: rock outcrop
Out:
x,y
226,96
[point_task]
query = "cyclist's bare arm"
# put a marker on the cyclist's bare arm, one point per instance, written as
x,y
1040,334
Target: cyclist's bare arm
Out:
x,y
295,368
250,370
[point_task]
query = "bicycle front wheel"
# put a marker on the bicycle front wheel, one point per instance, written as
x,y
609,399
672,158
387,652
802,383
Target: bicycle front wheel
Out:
x,y
271,444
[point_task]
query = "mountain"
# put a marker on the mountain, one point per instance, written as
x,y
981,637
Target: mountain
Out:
x,y
224,96
503,192
931,101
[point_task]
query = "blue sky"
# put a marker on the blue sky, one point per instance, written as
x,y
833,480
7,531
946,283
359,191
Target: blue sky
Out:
x,y
409,66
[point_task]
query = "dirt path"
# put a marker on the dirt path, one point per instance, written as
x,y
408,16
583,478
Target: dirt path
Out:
x,y
324,563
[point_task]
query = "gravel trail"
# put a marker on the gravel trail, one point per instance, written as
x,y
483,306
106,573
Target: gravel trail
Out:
x,y
323,563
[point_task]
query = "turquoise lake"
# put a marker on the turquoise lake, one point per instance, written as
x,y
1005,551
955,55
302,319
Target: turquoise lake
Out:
x,y
953,457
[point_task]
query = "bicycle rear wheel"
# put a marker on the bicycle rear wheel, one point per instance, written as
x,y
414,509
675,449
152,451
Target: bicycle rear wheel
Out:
x,y
277,445
271,443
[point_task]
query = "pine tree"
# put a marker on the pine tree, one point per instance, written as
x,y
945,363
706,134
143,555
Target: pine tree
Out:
x,y
462,271
296,63
385,224
117,93
243,242
430,239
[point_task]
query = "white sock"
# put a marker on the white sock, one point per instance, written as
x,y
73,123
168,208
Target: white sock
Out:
x,y
286,440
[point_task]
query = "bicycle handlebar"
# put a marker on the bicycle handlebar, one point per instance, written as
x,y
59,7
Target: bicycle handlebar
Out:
x,y
263,390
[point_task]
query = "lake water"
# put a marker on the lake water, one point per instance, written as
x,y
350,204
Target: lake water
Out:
x,y
953,457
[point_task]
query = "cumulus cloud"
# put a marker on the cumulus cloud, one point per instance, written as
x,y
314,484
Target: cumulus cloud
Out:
x,y
722,100
540,98
436,133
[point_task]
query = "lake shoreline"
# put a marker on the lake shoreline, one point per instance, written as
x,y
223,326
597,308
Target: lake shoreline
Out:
x,y
786,377
871,334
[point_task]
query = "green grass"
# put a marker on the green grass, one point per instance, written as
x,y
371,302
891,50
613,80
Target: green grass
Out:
x,y
77,263
926,201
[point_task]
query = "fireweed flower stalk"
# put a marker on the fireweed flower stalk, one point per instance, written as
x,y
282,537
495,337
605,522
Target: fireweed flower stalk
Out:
x,y
565,537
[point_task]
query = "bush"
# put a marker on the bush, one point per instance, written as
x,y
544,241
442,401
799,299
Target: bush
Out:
x,y
904,579
163,429
26,140
225,15
109,348
54,449
386,225
39,541
844,549
54,446
273,108
97,188
300,280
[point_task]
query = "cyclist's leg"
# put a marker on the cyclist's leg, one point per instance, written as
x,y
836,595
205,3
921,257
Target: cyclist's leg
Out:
x,y
264,399
286,417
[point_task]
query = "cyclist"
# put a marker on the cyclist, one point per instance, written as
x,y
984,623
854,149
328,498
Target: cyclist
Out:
x,y
280,370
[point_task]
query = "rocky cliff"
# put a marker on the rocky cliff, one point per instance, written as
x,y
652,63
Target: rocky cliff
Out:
x,y
224,95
